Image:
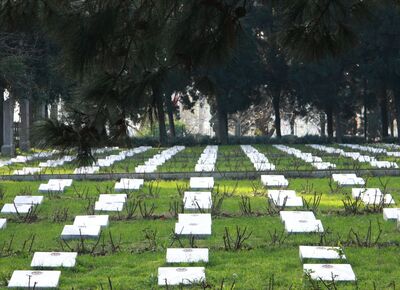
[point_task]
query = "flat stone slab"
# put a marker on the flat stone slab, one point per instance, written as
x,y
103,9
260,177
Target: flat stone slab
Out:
x,y
46,188
108,206
182,275
304,226
193,229
391,213
71,232
91,220
201,182
327,272
34,279
315,252
145,168
54,259
10,208
3,223
128,184
378,199
296,215
285,197
120,197
194,200
194,218
274,180
347,179
187,255
64,182
204,167
360,192
28,199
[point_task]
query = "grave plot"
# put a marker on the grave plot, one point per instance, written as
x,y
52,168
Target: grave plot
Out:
x,y
128,184
34,279
274,181
322,253
391,214
184,161
374,150
3,223
194,217
28,199
329,272
109,160
201,229
158,159
372,196
315,161
57,162
207,159
10,208
110,202
91,220
301,222
259,160
197,200
87,170
182,275
72,232
201,182
233,158
347,179
287,198
54,259
27,171
55,185
187,255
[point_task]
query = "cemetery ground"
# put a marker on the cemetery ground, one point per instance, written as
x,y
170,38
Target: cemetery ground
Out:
x,y
133,246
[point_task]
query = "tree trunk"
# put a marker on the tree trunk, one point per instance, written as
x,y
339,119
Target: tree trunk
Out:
x,y
1,114
24,129
365,122
322,123
339,128
8,147
383,103
222,125
160,115
276,104
171,121
397,111
329,120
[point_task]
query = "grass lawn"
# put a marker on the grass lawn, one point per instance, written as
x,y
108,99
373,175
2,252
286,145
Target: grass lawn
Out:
x,y
131,260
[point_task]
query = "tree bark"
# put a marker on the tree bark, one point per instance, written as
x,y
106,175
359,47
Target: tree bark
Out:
x,y
397,110
222,125
1,114
339,128
329,120
276,104
322,124
365,121
383,103
160,115
171,121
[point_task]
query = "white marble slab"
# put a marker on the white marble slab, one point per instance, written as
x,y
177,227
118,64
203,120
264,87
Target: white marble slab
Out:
x,y
183,275
91,220
3,224
201,182
193,229
194,218
145,168
70,232
296,215
316,252
10,208
46,188
274,180
34,279
285,197
391,213
378,199
54,259
128,184
327,272
359,192
187,255
108,206
28,199
119,197
193,200
204,167
62,182
304,226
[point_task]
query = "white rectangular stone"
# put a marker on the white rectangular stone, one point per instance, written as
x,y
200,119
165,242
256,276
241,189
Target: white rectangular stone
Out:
x,y
274,180
391,213
285,197
91,220
16,208
303,226
327,272
62,182
194,218
70,232
378,199
3,223
108,206
193,200
119,197
201,182
359,192
193,229
34,279
296,215
316,252
187,255
204,167
55,188
28,199
54,259
184,275
128,184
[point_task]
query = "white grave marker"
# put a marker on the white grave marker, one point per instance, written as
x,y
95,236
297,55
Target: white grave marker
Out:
x,y
34,279
183,275
54,259
187,255
327,272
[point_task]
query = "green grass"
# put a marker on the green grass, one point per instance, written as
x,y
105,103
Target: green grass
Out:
x,y
134,266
